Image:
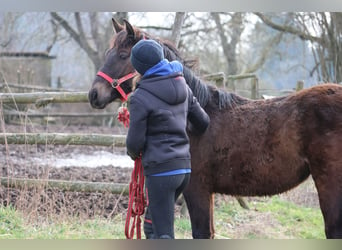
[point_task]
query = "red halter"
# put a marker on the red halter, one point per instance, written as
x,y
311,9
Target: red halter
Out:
x,y
115,83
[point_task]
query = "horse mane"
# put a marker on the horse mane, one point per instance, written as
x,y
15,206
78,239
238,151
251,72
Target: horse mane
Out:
x,y
203,91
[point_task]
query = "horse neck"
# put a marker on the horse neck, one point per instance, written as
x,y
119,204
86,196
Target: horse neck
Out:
x,y
209,95
205,93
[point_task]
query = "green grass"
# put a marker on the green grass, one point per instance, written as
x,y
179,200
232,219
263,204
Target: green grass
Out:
x,y
74,229
13,225
299,222
267,218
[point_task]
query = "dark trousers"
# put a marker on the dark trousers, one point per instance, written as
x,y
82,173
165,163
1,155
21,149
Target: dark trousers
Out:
x,y
163,192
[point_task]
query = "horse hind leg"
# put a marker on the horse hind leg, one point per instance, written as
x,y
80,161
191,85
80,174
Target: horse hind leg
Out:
x,y
329,188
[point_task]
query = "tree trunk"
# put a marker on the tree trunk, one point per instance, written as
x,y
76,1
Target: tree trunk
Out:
x,y
177,28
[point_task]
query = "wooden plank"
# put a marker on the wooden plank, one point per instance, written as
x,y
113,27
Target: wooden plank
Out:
x,y
74,186
63,139
30,87
59,114
239,77
43,98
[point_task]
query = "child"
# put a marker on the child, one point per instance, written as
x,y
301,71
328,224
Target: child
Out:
x,y
159,109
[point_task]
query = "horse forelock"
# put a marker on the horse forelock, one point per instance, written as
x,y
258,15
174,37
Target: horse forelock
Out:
x,y
123,40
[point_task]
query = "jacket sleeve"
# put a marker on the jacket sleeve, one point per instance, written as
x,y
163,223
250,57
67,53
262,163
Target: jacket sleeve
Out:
x,y
135,139
198,118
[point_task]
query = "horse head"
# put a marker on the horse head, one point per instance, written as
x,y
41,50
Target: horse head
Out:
x,y
114,78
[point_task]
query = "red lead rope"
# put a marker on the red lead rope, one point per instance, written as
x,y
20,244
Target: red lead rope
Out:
x,y
137,202
123,116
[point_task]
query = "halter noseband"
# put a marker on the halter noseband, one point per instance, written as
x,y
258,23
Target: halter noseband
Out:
x,y
115,83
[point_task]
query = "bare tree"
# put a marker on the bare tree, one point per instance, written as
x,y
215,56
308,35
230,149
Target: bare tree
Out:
x,y
324,31
7,23
235,29
85,29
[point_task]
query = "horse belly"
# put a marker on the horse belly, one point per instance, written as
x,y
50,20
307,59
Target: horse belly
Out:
x,y
258,175
260,160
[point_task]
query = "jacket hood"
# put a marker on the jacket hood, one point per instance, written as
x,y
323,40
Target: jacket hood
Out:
x,y
166,82
163,68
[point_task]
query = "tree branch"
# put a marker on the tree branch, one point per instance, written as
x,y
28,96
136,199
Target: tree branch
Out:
x,y
266,51
66,26
229,48
82,37
78,37
94,24
288,29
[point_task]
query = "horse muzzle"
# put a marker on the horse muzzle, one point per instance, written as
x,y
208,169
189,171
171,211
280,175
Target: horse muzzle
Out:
x,y
95,100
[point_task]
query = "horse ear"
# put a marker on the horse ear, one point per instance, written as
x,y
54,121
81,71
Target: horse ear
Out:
x,y
117,27
129,29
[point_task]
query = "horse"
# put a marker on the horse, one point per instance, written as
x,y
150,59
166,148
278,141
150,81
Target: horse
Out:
x,y
252,147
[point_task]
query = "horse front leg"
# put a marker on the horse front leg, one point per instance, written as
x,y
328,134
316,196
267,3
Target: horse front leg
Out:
x,y
200,204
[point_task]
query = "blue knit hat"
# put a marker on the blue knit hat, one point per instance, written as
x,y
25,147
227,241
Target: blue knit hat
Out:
x,y
145,54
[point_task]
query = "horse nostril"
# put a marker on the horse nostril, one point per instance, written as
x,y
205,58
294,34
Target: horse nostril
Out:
x,y
93,95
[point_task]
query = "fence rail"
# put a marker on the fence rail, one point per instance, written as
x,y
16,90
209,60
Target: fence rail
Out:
x,y
30,87
59,114
44,98
63,139
74,186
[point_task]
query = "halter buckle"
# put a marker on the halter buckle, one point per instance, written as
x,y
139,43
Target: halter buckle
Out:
x,y
114,83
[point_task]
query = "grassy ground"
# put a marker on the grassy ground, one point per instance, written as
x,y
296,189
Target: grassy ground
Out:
x,y
268,218
14,225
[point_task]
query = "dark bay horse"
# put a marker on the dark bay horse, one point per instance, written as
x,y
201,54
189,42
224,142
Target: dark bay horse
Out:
x,y
252,147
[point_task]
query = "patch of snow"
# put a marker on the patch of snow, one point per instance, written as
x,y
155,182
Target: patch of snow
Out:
x,y
95,159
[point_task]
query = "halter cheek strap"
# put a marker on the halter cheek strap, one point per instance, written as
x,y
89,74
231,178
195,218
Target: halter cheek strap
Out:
x,y
115,83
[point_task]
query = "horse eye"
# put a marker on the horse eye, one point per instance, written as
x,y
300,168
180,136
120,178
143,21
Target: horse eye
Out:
x,y
123,55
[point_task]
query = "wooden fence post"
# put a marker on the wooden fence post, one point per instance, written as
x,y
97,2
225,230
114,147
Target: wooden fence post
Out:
x,y
300,85
18,76
254,83
219,79
254,88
